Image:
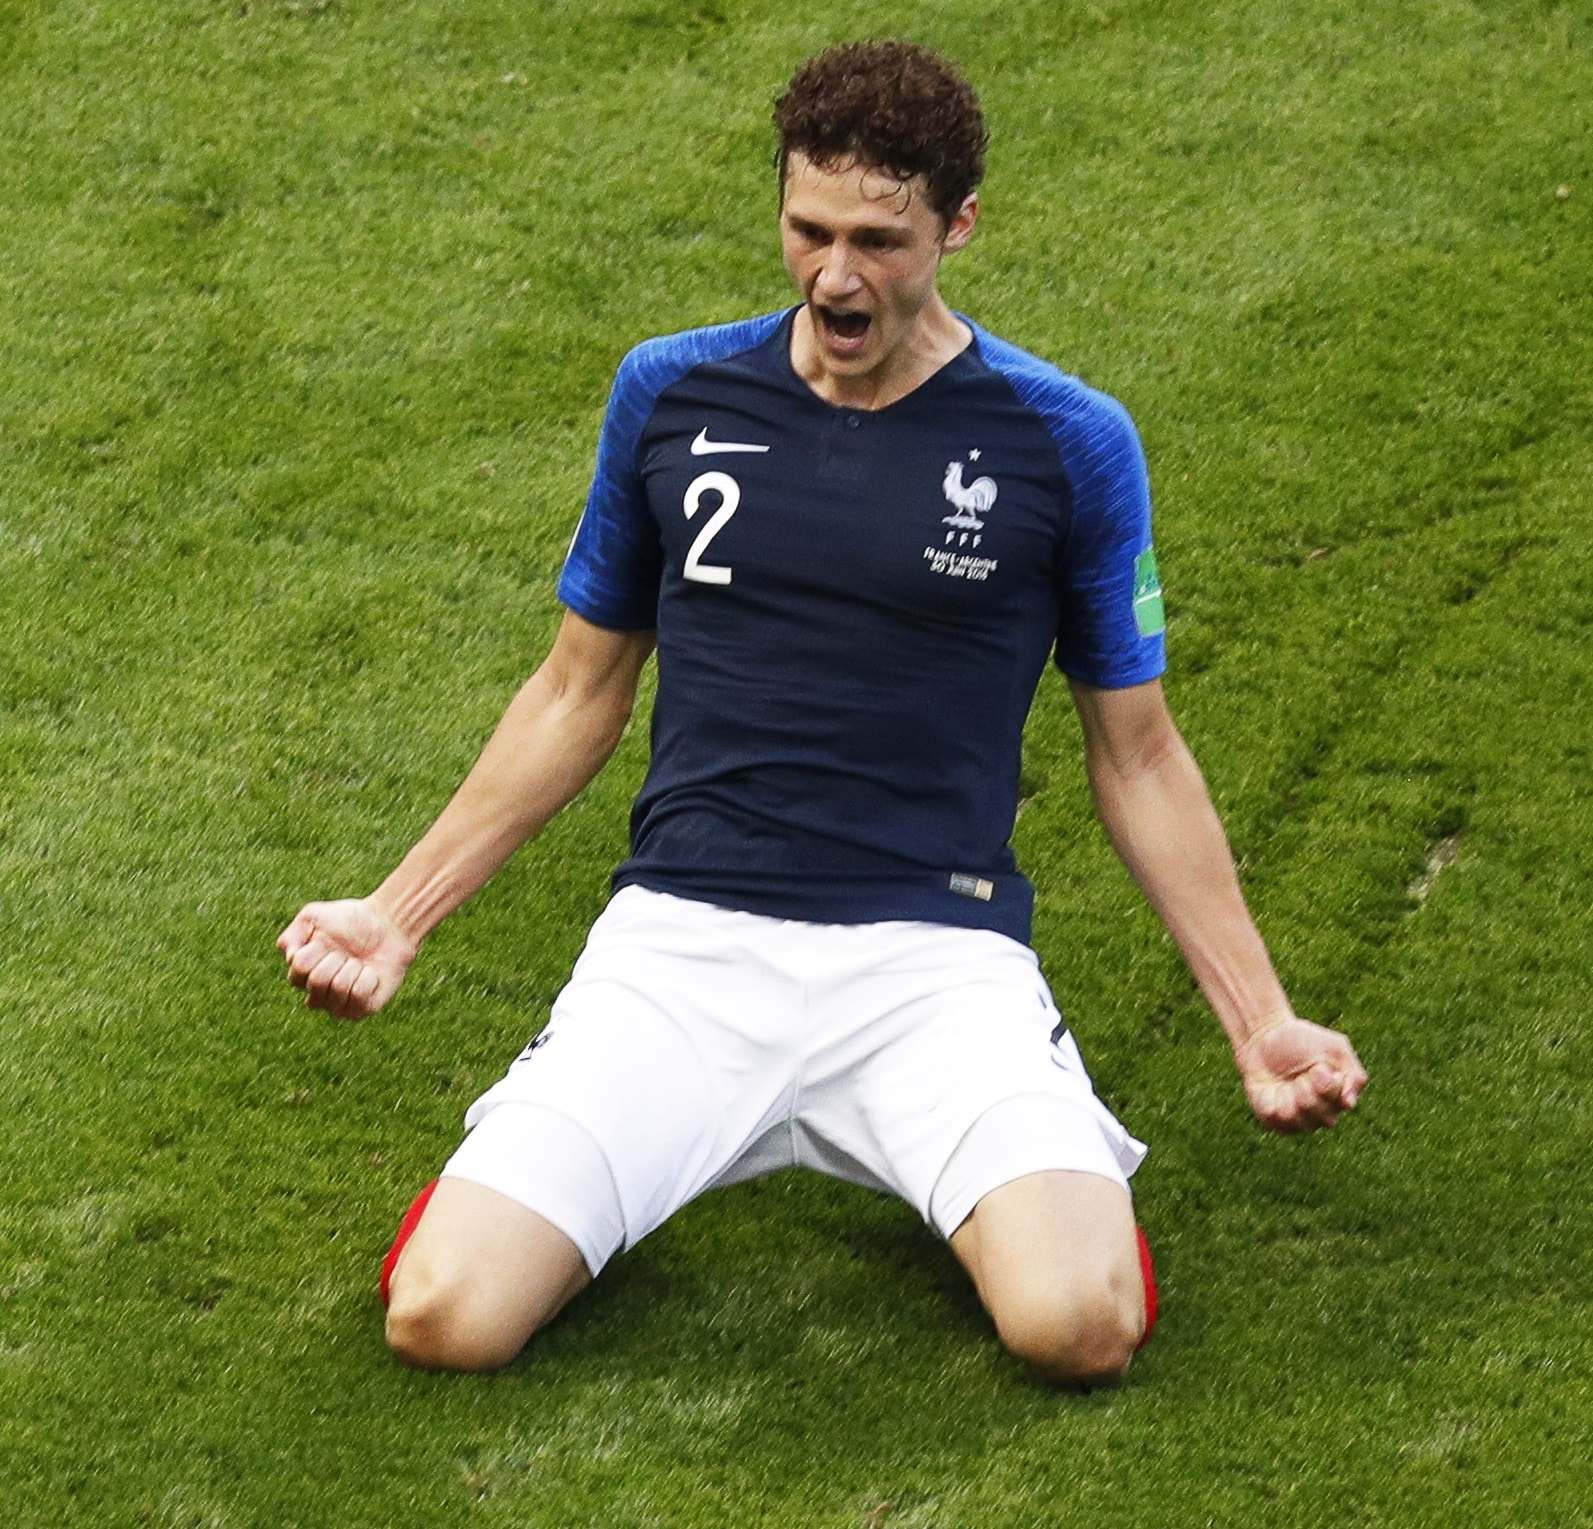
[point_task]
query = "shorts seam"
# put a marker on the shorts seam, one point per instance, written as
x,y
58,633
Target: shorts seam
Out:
x,y
590,1135
1001,1103
995,1104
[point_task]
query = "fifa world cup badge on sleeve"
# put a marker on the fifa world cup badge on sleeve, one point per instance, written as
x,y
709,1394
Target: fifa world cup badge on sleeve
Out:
x,y
1150,615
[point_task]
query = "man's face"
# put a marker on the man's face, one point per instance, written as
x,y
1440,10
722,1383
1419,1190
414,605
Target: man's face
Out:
x,y
864,249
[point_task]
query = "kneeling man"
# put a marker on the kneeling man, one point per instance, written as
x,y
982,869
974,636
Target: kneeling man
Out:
x,y
855,531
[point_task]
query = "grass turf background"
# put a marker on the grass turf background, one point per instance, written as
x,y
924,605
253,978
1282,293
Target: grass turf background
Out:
x,y
307,312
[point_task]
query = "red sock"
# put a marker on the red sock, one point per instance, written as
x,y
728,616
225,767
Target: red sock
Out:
x,y
406,1229
1149,1275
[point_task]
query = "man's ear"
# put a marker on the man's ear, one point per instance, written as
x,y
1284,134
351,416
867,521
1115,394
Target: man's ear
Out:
x,y
960,230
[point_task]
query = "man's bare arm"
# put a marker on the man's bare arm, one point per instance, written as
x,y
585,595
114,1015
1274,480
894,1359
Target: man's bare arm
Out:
x,y
1153,802
350,956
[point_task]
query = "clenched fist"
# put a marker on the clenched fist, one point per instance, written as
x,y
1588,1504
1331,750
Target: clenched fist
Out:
x,y
1299,1076
347,957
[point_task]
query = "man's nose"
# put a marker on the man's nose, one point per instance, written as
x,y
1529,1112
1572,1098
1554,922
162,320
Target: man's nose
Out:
x,y
837,276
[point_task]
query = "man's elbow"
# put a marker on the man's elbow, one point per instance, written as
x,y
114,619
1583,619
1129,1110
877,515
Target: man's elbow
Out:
x,y
1149,752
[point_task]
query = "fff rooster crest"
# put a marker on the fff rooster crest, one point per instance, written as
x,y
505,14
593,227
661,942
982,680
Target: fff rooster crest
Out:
x,y
971,501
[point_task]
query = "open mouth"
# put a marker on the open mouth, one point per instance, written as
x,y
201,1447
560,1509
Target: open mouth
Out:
x,y
843,325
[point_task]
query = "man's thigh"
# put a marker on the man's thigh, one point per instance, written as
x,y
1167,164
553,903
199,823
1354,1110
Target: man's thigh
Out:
x,y
480,1274
673,1047
957,1075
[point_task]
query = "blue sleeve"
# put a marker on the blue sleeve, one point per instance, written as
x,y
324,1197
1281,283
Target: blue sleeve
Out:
x,y
614,563
612,571
1111,632
1110,627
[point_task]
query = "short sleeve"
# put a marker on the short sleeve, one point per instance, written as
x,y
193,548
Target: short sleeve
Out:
x,y
1111,628
616,559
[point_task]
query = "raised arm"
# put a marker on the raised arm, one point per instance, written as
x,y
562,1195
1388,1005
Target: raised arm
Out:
x,y
349,957
1154,805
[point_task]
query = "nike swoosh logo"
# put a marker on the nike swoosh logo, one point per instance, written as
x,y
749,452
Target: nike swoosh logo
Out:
x,y
703,447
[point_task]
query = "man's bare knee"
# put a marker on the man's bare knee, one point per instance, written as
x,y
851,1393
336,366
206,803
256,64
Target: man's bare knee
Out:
x,y
435,1326
1055,1259
479,1276
1073,1337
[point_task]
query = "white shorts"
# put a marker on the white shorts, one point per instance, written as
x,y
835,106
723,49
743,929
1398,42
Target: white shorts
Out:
x,y
697,1046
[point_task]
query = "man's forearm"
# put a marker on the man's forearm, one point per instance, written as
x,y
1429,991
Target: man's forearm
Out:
x,y
1298,1076
555,736
1161,821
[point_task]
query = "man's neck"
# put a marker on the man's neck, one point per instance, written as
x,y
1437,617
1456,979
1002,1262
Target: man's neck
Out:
x,y
938,337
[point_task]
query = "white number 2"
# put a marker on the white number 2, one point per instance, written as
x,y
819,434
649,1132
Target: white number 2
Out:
x,y
729,492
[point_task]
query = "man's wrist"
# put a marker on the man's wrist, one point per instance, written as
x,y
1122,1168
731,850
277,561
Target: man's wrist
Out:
x,y
1247,1031
404,915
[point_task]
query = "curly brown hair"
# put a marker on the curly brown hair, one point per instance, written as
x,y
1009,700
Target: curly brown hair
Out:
x,y
889,104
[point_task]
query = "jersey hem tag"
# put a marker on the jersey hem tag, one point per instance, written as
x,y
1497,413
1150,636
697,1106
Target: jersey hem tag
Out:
x,y
973,886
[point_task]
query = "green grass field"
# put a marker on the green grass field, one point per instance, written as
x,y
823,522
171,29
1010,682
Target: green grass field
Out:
x,y
307,314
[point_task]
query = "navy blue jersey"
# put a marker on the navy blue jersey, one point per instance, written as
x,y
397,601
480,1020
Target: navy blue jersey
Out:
x,y
853,610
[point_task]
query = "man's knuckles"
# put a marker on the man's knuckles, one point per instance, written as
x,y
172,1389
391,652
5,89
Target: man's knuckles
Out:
x,y
304,961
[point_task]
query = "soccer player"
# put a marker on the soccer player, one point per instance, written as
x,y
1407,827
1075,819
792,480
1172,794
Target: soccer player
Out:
x,y
855,531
